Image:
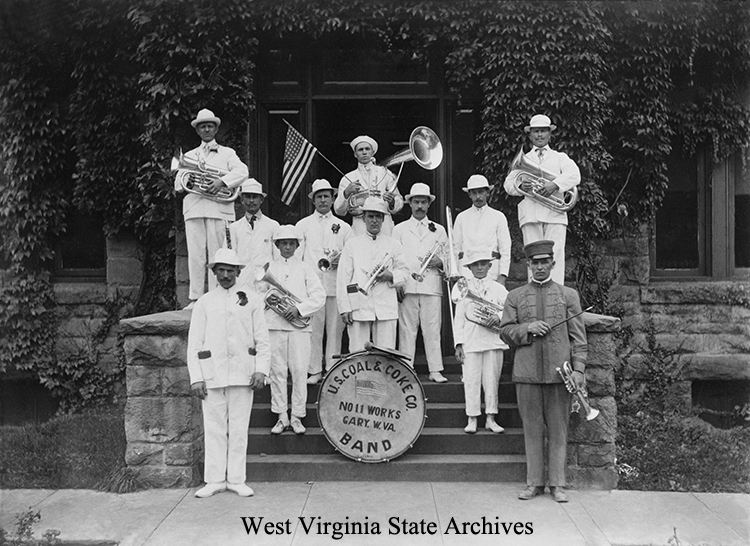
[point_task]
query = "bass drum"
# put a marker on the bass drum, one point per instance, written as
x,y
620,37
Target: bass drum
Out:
x,y
371,406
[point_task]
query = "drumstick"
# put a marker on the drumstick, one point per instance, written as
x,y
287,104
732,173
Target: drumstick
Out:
x,y
370,347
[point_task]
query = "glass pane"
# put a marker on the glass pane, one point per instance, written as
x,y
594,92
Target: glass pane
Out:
x,y
84,245
742,221
678,219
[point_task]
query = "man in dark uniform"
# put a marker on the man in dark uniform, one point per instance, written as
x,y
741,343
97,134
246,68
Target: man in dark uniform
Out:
x,y
533,323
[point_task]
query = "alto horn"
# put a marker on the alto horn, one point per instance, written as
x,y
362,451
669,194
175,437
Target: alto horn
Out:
x,y
537,176
278,298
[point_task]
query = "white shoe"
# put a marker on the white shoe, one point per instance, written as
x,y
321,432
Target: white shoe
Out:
x,y
280,426
210,489
241,489
437,377
471,428
297,426
490,424
189,306
314,378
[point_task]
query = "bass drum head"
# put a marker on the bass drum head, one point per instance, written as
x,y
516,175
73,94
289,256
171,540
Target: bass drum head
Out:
x,y
371,407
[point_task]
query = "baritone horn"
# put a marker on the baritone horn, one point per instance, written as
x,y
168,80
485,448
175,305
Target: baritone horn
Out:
x,y
279,299
581,399
480,310
537,176
424,148
200,177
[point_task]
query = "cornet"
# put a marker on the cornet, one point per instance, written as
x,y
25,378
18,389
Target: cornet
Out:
x,y
200,177
537,176
581,399
373,280
324,264
419,275
279,299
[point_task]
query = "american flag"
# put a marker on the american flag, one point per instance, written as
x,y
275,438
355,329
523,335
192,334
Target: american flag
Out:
x,y
298,155
369,387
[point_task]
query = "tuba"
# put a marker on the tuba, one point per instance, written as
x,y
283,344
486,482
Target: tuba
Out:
x,y
537,176
279,299
424,148
479,311
581,399
373,279
200,176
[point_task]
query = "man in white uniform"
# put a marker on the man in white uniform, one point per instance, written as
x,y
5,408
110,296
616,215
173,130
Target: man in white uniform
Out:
x,y
368,257
481,226
424,242
371,178
228,356
205,217
539,222
252,235
290,337
323,238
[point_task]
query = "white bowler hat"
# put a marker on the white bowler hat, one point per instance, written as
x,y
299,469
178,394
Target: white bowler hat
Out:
x,y
420,190
364,138
204,116
287,231
375,204
226,256
540,120
474,255
252,186
319,185
477,181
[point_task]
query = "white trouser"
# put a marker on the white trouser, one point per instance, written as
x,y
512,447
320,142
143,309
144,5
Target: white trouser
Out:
x,y
383,334
425,310
226,418
327,319
204,237
537,231
290,353
482,372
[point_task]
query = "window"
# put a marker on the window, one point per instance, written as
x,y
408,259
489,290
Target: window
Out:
x,y
703,226
82,250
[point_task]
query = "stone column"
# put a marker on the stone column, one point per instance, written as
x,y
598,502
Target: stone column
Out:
x,y
591,444
163,422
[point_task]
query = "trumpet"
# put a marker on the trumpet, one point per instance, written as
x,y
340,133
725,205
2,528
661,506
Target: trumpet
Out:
x,y
537,177
479,311
419,275
331,254
373,280
279,299
200,177
581,399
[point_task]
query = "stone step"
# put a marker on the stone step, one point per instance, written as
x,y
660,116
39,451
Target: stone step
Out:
x,y
432,441
441,414
408,467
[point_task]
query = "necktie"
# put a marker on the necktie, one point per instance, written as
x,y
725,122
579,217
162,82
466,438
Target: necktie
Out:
x,y
252,221
540,151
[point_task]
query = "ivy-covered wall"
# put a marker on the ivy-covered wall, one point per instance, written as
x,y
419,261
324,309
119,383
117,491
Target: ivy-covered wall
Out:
x,y
92,95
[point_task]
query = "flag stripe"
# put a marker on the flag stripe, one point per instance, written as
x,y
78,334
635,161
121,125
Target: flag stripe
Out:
x,y
298,155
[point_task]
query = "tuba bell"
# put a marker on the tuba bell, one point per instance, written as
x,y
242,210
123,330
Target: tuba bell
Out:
x,y
424,148
537,176
279,299
200,176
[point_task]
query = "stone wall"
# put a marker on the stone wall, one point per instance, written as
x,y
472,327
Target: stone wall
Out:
x,y
163,422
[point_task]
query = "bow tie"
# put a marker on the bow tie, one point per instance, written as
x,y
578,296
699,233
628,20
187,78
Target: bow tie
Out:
x,y
210,147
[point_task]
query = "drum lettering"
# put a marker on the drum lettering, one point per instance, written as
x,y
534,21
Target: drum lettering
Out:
x,y
372,447
345,439
356,421
352,369
346,406
358,445
402,380
338,380
411,401
408,387
332,389
377,366
376,424
386,445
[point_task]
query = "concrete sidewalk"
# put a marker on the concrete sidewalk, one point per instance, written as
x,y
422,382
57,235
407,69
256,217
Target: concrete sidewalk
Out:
x,y
483,510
